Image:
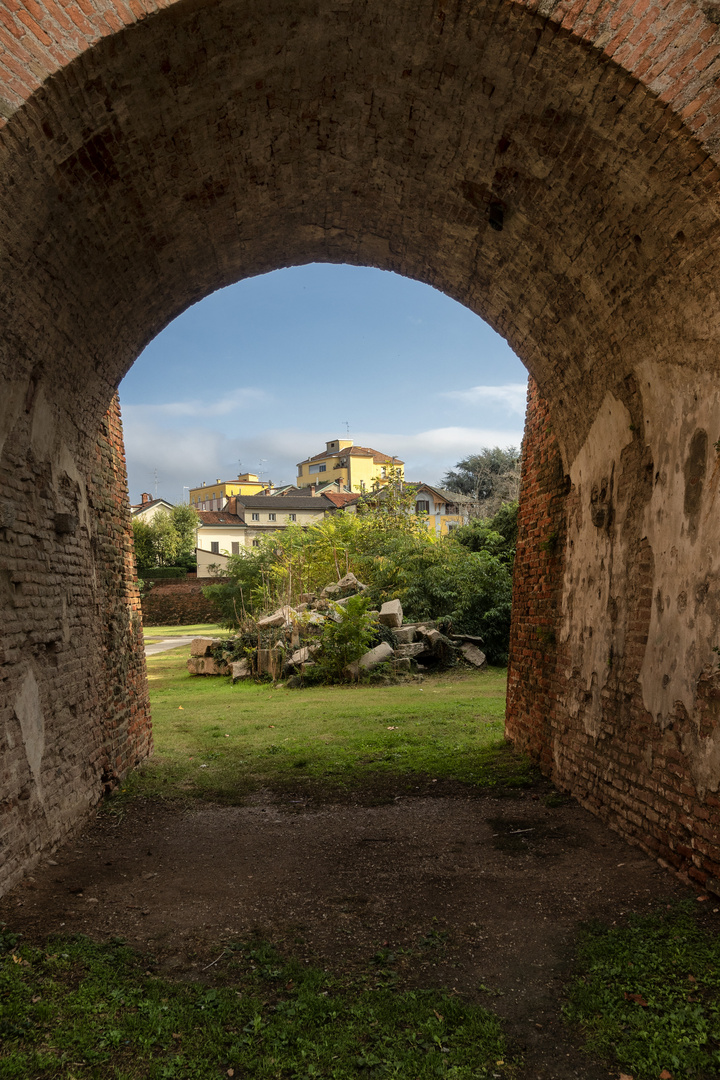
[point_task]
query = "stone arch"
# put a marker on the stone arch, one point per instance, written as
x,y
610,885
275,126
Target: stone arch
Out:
x,y
551,169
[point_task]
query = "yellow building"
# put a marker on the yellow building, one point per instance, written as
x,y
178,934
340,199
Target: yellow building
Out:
x,y
442,510
214,496
359,468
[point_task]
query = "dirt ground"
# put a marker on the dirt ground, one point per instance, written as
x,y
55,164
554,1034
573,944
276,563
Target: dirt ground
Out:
x,y
488,891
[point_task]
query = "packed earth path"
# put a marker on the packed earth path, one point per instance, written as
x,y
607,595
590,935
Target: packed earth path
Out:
x,y
477,894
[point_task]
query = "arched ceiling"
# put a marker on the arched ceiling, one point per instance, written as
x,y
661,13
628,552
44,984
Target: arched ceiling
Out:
x,y
213,141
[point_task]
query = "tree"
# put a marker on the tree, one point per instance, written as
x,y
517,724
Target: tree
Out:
x,y
185,521
144,549
491,477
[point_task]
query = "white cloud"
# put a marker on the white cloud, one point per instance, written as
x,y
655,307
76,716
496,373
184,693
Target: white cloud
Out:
x,y
242,397
511,396
188,455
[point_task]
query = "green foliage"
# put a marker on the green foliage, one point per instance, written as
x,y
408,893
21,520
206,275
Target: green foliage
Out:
x,y
144,550
160,572
344,642
648,994
497,534
369,740
167,540
395,555
491,477
82,1008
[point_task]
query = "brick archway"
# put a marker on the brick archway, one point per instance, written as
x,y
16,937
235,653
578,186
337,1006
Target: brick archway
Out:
x,y
551,169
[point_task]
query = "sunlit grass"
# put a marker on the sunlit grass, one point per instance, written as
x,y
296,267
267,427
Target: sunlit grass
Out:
x,y
218,741
155,633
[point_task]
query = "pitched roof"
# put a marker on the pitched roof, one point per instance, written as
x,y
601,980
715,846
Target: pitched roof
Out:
x,y
147,505
280,502
340,499
356,451
443,493
218,517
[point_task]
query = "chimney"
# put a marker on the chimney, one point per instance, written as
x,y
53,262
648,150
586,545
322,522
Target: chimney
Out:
x,y
231,505
312,489
146,497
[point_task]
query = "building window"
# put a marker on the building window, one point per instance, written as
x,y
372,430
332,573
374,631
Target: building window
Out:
x,y
256,543
318,468
215,547
422,506
452,525
235,547
271,517
293,517
299,470
255,517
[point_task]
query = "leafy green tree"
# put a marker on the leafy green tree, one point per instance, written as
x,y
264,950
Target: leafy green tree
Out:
x,y
497,535
165,539
144,550
185,521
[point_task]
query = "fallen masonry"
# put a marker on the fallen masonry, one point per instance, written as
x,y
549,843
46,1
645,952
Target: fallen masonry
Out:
x,y
291,641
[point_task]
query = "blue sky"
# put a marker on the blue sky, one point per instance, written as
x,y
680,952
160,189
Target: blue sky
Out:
x,y
260,375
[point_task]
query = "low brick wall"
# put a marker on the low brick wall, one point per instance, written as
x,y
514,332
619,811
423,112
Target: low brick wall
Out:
x,y
178,603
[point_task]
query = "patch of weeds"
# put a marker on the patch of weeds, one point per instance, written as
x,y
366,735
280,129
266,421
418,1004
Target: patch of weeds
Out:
x,y
85,1010
647,994
556,799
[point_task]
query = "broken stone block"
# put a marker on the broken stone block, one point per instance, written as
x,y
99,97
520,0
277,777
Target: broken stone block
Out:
x,y
432,637
371,659
201,646
391,613
403,663
413,649
207,665
282,617
405,634
473,655
240,669
347,584
212,666
314,619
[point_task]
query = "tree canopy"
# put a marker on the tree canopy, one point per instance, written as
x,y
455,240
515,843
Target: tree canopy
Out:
x,y
168,539
491,477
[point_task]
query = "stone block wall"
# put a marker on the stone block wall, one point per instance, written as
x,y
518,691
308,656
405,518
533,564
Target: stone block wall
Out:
x,y
606,643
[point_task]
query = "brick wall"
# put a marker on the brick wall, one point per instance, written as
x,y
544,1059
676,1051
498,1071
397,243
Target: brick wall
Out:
x,y
137,177
178,603
652,776
74,713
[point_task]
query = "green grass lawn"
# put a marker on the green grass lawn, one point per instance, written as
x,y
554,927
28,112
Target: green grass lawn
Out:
x,y
647,994
157,633
86,1011
222,742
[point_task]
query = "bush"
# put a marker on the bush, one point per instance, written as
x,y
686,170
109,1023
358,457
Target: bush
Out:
x,y
396,557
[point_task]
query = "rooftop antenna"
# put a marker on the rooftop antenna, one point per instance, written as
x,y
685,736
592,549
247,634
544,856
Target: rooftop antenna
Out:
x,y
261,462
347,425
156,483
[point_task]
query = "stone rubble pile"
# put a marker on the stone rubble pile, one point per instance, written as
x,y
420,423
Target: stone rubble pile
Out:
x,y
287,640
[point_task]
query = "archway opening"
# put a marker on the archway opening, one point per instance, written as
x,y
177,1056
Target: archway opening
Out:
x,y
486,151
